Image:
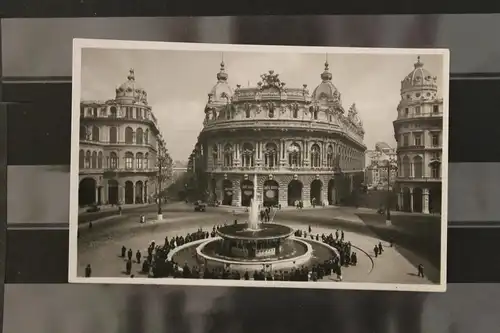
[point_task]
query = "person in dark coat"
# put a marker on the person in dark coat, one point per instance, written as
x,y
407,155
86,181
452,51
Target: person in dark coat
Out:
x,y
128,266
138,256
124,251
88,271
421,270
129,254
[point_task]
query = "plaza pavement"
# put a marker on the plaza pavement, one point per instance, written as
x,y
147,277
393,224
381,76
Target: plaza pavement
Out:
x,y
100,246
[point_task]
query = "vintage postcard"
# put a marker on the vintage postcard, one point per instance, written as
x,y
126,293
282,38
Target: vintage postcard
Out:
x,y
265,166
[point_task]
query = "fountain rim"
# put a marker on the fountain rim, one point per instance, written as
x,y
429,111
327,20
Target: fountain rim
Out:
x,y
288,234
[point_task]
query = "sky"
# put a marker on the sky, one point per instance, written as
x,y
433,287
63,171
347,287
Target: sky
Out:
x,y
178,83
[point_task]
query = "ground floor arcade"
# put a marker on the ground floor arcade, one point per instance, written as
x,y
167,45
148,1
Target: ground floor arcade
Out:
x,y
420,197
283,189
126,190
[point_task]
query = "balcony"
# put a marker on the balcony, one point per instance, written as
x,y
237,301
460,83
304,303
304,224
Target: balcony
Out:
x,y
117,144
106,170
410,147
426,179
272,170
151,120
423,115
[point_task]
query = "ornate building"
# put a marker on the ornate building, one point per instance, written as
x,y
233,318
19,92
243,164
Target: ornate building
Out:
x,y
376,162
301,146
418,131
120,143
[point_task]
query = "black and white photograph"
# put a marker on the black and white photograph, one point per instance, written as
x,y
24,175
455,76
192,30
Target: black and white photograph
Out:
x,y
259,166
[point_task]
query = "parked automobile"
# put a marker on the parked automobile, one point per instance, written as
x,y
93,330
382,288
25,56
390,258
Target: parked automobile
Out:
x,y
200,206
93,209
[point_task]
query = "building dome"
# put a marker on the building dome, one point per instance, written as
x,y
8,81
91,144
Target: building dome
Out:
x,y
221,92
419,79
326,91
382,146
131,90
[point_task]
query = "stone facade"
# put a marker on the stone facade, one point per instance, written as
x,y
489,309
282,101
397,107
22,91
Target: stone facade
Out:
x,y
419,135
119,146
301,145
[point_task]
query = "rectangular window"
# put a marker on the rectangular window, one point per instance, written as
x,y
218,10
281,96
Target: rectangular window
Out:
x,y
405,140
407,111
418,139
435,140
417,110
435,108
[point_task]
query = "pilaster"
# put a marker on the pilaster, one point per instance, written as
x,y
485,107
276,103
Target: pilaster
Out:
x,y
425,199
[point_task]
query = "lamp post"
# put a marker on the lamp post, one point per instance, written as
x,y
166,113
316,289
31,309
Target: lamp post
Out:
x,y
389,167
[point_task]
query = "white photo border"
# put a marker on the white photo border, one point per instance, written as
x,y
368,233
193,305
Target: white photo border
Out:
x,y
79,44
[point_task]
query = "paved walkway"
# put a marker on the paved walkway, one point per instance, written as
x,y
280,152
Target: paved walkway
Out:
x,y
101,246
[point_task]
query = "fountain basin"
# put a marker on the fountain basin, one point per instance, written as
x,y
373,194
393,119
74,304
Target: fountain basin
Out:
x,y
205,253
266,231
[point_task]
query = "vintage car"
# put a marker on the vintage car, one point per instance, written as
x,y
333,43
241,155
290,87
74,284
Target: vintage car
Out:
x,y
200,206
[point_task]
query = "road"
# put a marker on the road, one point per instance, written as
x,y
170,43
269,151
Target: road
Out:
x,y
100,245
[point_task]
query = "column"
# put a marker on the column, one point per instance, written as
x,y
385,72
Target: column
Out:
x,y
411,200
400,200
96,195
306,194
133,193
236,193
105,195
425,200
121,189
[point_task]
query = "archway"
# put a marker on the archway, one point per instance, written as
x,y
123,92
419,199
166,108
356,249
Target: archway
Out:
x,y
406,200
271,193
315,192
435,200
227,192
112,192
417,200
247,192
139,193
86,192
129,192
294,192
332,193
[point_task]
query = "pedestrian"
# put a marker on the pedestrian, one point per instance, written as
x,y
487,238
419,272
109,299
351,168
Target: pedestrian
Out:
x,y
380,248
391,241
128,267
90,225
375,250
420,270
138,256
88,271
129,254
124,251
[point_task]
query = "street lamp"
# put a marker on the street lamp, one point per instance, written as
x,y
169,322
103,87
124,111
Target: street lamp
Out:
x,y
391,164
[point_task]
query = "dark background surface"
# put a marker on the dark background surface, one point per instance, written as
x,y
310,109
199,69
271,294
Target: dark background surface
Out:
x,y
39,256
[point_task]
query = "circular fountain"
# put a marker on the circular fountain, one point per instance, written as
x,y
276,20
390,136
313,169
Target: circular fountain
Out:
x,y
254,245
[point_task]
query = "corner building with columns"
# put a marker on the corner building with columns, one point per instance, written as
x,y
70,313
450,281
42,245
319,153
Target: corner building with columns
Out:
x,y
119,144
419,134
297,145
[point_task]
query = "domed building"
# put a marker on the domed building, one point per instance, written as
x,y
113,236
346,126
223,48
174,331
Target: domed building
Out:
x,y
419,134
119,146
299,146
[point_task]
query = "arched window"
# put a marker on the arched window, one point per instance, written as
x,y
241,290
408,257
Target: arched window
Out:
x,y
406,167
271,155
129,135
83,132
295,113
294,158
99,160
87,159
418,167
435,170
113,160
146,136
128,112
215,155
315,115
247,155
315,156
113,135
129,160
228,155
329,157
95,133
93,163
113,112
247,112
139,136
139,157
82,159
146,161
